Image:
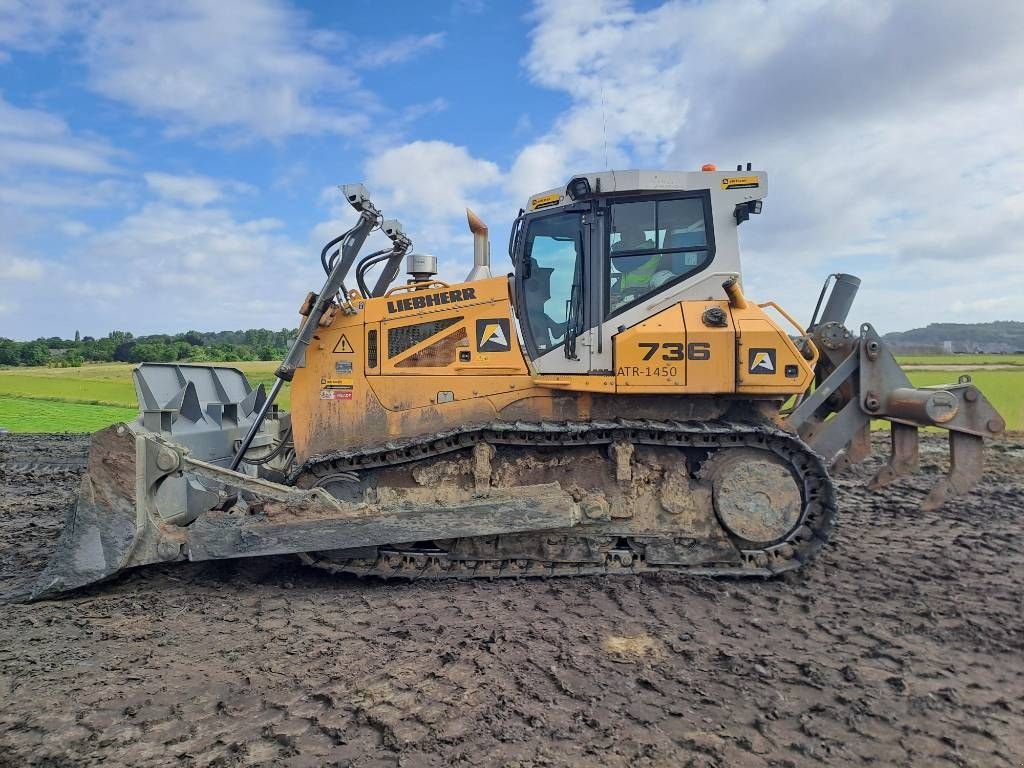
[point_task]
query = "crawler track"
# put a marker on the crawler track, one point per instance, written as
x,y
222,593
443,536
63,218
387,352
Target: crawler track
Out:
x,y
428,561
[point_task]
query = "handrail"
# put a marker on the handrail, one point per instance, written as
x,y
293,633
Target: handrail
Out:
x,y
418,286
803,334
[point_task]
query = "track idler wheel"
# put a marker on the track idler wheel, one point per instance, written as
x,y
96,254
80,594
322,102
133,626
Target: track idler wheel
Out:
x,y
756,496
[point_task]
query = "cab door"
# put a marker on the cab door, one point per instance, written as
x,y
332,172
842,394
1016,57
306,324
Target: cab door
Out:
x,y
552,274
655,250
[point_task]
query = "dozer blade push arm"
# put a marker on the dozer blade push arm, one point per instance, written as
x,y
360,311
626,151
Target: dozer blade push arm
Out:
x,y
859,379
337,270
351,242
400,246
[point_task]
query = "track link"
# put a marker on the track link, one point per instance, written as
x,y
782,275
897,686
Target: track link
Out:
x,y
815,525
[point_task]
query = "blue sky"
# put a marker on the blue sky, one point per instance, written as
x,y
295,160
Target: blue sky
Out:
x,y
171,165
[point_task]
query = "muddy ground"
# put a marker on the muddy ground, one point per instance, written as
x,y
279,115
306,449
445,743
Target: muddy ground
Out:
x,y
902,645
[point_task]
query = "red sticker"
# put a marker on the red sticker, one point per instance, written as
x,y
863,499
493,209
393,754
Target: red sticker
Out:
x,y
335,394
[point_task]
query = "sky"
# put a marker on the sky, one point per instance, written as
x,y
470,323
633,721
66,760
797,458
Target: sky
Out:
x,y
167,166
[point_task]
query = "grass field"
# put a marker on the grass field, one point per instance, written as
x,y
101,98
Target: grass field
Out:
x,y
88,398
1004,389
91,397
971,360
22,414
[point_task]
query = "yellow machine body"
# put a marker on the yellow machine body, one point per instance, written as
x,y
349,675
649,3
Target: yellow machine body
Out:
x,y
428,357
614,405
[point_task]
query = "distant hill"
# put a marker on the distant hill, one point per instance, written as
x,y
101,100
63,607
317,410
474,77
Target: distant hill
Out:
x,y
1001,337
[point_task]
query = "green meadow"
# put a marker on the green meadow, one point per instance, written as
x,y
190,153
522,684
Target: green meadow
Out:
x,y
958,360
88,398
91,397
1003,388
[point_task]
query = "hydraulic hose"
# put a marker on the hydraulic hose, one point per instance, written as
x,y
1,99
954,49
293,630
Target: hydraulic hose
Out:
x,y
374,258
323,254
256,424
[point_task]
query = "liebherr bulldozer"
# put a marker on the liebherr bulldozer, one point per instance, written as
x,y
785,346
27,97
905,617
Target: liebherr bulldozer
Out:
x,y
616,404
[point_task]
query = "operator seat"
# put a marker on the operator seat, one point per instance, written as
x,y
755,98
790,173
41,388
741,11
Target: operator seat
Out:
x,y
538,290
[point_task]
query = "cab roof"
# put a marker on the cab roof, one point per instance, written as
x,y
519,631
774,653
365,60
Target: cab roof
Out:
x,y
752,183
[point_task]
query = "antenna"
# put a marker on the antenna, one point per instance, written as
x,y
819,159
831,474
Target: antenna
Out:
x,y
604,126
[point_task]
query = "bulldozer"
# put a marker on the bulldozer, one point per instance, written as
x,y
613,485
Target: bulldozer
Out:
x,y
615,404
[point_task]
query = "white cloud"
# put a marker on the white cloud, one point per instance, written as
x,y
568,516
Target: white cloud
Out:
x,y
23,193
245,68
622,70
31,123
16,268
192,190
239,69
164,268
161,269
169,266
34,25
80,159
34,138
536,168
400,50
73,228
432,177
890,131
427,185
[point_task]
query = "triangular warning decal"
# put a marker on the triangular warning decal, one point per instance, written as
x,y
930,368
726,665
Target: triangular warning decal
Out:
x,y
343,346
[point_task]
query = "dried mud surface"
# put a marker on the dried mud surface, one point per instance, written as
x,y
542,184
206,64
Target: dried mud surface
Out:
x,y
902,645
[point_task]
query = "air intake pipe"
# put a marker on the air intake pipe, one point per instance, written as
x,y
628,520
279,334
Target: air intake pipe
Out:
x,y
481,248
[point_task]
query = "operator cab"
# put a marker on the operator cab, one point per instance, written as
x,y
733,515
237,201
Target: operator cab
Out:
x,y
614,247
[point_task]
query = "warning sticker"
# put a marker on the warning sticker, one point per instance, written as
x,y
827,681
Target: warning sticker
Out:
x,y
343,366
542,201
331,383
344,346
740,182
335,394
335,389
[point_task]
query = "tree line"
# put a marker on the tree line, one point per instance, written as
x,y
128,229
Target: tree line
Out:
x,y
122,346
1009,332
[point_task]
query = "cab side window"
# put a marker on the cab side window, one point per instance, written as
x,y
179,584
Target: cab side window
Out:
x,y
652,244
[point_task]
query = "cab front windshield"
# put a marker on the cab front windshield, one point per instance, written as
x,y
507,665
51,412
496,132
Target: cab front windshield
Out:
x,y
551,267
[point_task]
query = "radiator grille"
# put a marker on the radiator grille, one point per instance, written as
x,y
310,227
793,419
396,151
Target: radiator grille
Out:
x,y
408,336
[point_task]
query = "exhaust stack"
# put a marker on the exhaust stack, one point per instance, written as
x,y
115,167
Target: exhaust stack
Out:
x,y
481,248
844,291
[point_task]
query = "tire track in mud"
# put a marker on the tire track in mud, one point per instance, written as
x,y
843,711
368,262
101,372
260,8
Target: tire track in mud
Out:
x,y
902,644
